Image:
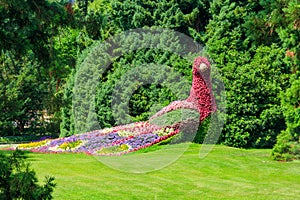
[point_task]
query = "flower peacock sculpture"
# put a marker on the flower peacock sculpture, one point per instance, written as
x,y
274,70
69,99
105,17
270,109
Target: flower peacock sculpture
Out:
x,y
132,137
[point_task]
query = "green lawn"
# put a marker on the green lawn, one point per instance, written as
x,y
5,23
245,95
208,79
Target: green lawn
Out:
x,y
226,173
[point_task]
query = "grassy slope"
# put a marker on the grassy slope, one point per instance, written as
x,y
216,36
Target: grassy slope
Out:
x,y
226,173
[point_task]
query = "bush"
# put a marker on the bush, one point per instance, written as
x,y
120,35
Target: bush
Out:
x,y
286,148
18,181
288,142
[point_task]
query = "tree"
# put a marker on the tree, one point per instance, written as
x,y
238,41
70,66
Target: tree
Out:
x,y
254,73
21,94
27,31
189,17
254,115
278,21
288,142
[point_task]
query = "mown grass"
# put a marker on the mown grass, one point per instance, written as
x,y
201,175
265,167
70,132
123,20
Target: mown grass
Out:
x,y
225,173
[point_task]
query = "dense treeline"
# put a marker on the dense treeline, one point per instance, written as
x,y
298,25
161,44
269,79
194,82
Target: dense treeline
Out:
x,y
255,44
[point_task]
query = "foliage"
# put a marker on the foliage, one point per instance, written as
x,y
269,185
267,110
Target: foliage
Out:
x,y
18,181
67,119
288,142
148,92
94,18
287,147
185,16
253,66
26,59
31,28
282,19
291,105
20,91
254,117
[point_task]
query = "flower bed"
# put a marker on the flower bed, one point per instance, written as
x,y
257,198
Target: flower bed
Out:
x,y
110,141
33,144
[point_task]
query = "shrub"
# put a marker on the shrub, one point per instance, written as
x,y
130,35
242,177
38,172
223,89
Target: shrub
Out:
x,y
288,142
286,149
18,181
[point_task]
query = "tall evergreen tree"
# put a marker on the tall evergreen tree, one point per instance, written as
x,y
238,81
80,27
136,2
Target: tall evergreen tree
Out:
x,y
27,31
254,115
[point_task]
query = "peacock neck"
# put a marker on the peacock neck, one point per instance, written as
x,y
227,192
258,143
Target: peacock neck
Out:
x,y
201,94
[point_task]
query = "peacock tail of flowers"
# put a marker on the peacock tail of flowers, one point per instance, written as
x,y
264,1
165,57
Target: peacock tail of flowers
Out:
x,y
118,140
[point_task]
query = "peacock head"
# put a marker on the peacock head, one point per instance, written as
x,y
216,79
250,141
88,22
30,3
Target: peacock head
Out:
x,y
201,66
